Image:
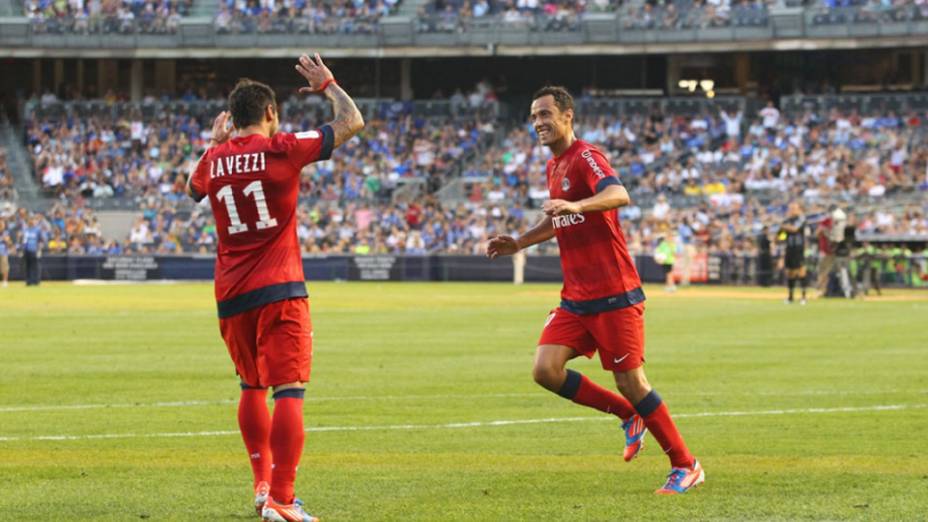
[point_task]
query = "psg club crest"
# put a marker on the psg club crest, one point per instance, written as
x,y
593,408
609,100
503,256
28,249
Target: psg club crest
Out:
x,y
565,184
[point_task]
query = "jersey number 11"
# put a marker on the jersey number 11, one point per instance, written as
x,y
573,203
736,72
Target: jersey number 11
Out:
x,y
264,216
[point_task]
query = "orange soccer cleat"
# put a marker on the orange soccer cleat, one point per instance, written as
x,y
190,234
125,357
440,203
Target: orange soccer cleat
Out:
x,y
274,512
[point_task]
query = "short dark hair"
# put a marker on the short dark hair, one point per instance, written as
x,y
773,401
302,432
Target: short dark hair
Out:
x,y
248,100
562,97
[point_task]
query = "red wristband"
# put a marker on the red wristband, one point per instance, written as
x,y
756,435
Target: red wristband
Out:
x,y
325,84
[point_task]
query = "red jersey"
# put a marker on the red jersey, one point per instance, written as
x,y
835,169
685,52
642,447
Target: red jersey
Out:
x,y
599,273
253,184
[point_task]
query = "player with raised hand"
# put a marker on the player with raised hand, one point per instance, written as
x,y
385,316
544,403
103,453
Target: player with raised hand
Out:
x,y
252,181
602,304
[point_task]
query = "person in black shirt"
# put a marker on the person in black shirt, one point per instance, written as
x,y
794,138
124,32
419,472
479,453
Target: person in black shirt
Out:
x,y
794,258
764,258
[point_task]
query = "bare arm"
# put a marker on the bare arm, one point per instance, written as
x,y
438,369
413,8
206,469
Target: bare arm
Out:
x,y
508,245
540,233
613,196
348,120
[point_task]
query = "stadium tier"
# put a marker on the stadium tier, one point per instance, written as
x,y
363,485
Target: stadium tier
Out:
x,y
713,173
451,27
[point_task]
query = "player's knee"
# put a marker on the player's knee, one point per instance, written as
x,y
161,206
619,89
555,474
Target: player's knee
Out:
x,y
632,384
296,385
547,375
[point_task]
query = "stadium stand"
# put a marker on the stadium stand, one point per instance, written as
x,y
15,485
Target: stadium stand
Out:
x,y
300,16
110,16
687,14
454,16
7,192
172,25
711,172
833,12
131,152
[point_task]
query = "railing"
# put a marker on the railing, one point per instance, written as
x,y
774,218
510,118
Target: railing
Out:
x,y
110,24
533,22
681,15
33,109
867,14
226,23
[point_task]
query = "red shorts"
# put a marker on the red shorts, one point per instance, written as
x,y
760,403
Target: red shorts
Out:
x,y
618,335
271,345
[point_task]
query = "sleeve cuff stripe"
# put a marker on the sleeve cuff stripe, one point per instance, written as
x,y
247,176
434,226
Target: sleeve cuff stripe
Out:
x,y
328,142
605,182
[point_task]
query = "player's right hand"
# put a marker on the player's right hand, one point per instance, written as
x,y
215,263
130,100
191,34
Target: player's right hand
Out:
x,y
315,72
501,246
221,128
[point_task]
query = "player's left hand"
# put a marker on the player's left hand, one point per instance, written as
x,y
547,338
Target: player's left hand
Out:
x,y
222,131
560,207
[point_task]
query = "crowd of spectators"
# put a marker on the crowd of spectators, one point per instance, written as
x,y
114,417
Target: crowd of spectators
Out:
x,y
449,16
7,191
302,16
728,172
695,14
713,178
142,153
421,226
564,15
425,226
829,12
106,16
728,155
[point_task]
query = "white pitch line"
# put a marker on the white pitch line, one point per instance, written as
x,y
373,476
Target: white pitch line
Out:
x,y
184,404
460,425
60,407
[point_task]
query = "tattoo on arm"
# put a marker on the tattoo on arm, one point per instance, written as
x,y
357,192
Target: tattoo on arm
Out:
x,y
348,120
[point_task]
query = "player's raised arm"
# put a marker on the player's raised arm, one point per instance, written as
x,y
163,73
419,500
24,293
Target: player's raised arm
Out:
x,y
508,245
348,120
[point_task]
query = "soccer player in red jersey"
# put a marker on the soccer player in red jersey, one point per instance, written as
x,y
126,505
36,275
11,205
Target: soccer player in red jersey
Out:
x,y
602,304
252,181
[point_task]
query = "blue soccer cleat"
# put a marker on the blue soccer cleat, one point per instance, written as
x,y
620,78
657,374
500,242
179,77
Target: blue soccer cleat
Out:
x,y
681,480
634,436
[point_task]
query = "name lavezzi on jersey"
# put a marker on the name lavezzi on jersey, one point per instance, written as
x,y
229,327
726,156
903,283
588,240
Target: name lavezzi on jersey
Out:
x,y
238,164
567,220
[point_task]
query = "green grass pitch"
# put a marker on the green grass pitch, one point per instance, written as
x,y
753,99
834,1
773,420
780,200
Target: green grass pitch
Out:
x,y
118,403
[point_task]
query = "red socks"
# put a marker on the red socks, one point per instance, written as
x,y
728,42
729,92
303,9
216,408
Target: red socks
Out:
x,y
657,418
254,421
286,442
578,388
